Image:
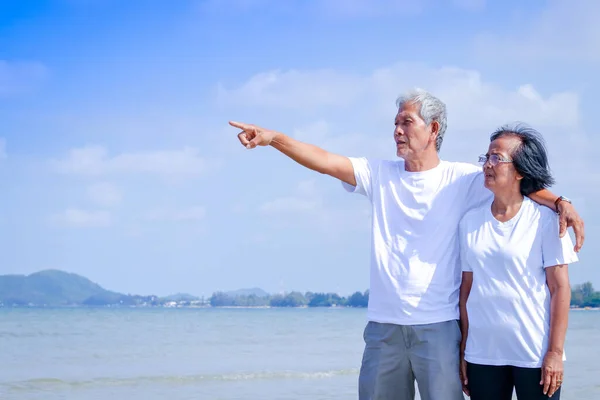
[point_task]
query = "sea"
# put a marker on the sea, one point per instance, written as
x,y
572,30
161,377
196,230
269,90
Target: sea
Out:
x,y
213,353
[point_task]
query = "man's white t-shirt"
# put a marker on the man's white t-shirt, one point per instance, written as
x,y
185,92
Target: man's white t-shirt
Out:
x,y
509,302
415,272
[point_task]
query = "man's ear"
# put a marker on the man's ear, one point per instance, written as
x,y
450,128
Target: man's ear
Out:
x,y
435,129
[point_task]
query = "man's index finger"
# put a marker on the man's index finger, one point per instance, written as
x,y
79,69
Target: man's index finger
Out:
x,y
238,125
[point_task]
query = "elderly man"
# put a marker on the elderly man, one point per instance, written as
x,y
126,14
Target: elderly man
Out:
x,y
412,331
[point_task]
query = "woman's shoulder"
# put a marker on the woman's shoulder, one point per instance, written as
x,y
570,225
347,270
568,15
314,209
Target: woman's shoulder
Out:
x,y
540,212
541,217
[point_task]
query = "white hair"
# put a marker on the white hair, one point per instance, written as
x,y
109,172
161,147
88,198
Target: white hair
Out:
x,y
432,109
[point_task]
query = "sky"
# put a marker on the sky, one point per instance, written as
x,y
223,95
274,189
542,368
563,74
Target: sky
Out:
x,y
117,161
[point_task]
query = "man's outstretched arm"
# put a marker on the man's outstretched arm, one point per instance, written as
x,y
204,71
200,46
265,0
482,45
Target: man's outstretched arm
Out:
x,y
308,155
568,216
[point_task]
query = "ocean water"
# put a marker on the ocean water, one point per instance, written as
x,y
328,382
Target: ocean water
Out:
x,y
225,354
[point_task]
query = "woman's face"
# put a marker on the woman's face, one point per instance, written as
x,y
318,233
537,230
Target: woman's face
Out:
x,y
502,176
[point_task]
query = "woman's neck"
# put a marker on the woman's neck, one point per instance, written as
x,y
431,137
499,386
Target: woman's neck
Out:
x,y
506,205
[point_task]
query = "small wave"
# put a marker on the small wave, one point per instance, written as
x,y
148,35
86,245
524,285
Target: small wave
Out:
x,y
43,384
9,334
32,334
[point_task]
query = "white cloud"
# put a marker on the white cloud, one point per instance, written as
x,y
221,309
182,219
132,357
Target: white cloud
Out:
x,y
104,194
338,140
473,103
479,104
194,213
359,120
566,31
288,89
95,161
3,153
77,218
19,77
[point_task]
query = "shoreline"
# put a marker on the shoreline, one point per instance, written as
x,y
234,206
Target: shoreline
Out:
x,y
209,307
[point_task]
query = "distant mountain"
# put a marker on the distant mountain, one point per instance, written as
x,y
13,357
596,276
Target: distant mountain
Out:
x,y
51,288
248,292
54,288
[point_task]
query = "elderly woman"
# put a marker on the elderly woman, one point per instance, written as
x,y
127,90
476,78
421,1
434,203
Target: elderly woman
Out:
x,y
515,294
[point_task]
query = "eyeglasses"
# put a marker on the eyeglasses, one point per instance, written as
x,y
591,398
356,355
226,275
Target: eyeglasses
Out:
x,y
494,159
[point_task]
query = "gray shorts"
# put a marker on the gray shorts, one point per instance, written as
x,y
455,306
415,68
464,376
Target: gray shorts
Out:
x,y
397,355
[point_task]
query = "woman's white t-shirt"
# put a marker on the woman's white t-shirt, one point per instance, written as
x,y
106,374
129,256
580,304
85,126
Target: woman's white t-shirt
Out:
x,y
509,303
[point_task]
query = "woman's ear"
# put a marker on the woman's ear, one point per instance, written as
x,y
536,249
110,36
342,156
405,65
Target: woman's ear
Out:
x,y
519,176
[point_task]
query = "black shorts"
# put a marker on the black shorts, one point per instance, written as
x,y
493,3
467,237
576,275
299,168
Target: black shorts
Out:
x,y
490,382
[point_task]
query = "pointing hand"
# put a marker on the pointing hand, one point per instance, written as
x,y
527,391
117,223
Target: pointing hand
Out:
x,y
252,135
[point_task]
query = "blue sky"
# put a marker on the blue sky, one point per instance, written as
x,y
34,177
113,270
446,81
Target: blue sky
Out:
x,y
117,162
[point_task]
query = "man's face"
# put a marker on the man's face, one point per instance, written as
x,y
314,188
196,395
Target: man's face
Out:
x,y
412,135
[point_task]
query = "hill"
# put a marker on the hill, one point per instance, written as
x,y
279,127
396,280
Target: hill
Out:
x,y
54,288
48,287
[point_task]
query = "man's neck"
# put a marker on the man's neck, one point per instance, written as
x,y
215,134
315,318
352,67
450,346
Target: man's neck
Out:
x,y
506,205
423,164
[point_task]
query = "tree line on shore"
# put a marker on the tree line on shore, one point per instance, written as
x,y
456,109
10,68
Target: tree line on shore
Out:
x,y
50,288
582,295
292,299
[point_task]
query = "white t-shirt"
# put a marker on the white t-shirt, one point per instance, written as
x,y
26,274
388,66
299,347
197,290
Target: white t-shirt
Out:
x,y
415,272
509,302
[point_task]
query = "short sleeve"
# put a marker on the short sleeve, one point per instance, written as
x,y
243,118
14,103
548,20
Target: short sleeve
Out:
x,y
471,178
478,194
363,173
555,250
464,245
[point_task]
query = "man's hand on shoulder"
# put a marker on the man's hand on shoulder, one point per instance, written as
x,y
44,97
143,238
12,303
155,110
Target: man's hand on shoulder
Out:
x,y
568,217
252,135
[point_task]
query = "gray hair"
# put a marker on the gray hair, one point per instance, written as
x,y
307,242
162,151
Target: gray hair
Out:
x,y
432,109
